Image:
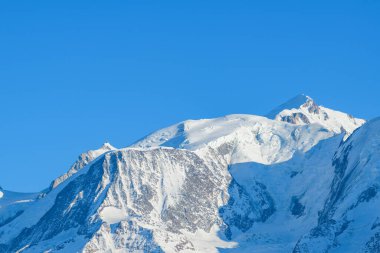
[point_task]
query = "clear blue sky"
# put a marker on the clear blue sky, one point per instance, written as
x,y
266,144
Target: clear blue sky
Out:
x,y
74,74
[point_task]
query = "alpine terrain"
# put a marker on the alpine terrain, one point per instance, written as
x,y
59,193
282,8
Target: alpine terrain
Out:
x,y
304,178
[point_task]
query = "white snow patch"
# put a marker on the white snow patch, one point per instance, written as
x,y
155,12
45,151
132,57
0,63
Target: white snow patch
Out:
x,y
208,242
111,214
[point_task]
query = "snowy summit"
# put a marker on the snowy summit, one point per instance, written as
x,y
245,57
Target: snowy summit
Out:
x,y
303,110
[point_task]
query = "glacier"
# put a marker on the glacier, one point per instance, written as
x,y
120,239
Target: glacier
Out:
x,y
303,178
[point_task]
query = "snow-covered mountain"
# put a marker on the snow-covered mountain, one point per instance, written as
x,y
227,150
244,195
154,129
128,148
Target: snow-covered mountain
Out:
x,y
240,183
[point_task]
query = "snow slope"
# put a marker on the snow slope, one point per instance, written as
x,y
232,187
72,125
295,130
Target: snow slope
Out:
x,y
239,138
349,219
13,204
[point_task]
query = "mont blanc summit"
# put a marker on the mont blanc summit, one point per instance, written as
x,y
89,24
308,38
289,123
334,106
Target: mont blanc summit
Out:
x,y
303,110
304,178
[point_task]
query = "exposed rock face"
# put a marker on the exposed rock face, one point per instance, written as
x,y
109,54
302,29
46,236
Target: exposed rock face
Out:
x,y
82,161
295,118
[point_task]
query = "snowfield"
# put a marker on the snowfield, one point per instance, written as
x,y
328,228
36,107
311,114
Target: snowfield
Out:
x,y
303,179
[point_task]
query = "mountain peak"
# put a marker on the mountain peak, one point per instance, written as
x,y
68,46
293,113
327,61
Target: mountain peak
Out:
x,y
302,110
294,103
107,146
298,100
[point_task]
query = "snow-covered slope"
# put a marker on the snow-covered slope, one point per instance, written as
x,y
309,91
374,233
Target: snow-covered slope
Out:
x,y
296,192
240,183
13,204
303,110
239,138
349,220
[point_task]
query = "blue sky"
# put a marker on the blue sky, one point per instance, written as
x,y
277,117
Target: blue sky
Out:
x,y
74,74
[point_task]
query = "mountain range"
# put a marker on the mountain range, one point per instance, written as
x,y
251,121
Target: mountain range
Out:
x,y
303,178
